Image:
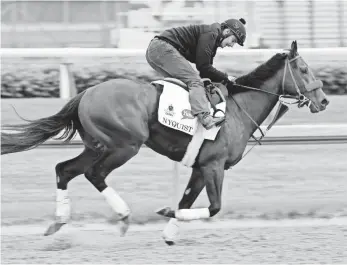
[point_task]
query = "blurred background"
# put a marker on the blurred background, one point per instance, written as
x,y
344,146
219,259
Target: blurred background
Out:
x,y
114,29
131,24
271,24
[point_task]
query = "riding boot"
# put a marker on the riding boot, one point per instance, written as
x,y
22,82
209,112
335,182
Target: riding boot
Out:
x,y
208,121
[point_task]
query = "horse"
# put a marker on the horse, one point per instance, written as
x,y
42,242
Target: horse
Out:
x,y
115,118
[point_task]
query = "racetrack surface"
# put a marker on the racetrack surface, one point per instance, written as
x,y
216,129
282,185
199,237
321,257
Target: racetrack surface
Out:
x,y
287,244
274,184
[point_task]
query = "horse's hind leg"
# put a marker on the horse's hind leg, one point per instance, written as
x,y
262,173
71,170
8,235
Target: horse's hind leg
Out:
x,y
65,172
68,170
97,174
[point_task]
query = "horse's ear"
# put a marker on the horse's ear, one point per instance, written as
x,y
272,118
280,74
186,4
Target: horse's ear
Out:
x,y
294,46
293,49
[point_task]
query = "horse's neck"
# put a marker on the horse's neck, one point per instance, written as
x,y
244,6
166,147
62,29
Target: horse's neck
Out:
x,y
258,105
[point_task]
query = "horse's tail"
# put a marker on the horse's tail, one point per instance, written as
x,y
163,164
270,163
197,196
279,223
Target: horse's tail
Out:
x,y
28,136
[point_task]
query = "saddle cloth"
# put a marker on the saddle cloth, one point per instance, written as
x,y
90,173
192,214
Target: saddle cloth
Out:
x,y
175,111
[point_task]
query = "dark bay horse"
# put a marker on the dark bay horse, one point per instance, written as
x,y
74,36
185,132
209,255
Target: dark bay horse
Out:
x,y
115,118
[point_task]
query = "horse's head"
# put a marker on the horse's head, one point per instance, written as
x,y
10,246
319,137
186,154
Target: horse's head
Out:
x,y
299,80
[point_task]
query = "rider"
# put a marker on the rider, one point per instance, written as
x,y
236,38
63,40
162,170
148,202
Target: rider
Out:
x,y
170,52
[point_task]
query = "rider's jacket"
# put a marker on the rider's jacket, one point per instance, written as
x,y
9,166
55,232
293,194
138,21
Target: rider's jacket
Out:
x,y
198,44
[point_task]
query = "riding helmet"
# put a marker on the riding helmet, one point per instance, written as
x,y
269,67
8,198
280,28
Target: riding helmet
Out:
x,y
237,28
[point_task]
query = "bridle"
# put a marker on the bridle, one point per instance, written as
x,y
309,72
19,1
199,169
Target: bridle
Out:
x,y
301,99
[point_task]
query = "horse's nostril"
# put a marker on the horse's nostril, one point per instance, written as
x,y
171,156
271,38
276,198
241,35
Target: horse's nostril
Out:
x,y
325,102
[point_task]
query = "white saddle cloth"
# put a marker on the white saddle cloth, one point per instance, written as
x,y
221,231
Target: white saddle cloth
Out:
x,y
175,111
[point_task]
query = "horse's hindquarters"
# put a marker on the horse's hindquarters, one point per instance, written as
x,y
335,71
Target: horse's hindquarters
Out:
x,y
115,113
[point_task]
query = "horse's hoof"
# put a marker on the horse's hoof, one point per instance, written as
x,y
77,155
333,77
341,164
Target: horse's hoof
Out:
x,y
167,212
53,228
124,225
169,242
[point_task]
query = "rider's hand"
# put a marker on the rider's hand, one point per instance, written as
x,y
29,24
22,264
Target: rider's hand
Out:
x,y
231,79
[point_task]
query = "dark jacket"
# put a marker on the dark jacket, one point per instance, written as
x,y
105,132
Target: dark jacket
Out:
x,y
198,44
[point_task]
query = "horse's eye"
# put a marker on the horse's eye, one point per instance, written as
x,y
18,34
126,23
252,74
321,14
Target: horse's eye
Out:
x,y
304,70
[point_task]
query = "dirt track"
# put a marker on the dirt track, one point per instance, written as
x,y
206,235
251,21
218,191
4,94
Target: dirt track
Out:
x,y
312,185
288,243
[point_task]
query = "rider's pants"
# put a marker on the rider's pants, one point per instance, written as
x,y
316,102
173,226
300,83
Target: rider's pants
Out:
x,y
166,60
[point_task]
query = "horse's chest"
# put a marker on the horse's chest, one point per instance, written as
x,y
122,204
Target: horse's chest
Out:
x,y
234,156
236,146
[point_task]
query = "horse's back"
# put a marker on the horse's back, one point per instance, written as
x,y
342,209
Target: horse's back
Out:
x,y
118,110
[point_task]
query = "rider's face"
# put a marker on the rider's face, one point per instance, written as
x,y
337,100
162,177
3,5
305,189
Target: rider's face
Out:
x,y
229,42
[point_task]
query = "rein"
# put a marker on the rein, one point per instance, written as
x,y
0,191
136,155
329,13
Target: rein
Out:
x,y
301,101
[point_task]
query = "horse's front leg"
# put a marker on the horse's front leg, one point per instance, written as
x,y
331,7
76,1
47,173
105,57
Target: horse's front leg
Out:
x,y
213,174
192,191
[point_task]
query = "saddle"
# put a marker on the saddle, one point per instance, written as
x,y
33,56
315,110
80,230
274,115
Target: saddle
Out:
x,y
215,92
174,112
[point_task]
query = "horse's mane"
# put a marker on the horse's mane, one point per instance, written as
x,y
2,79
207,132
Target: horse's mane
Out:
x,y
260,74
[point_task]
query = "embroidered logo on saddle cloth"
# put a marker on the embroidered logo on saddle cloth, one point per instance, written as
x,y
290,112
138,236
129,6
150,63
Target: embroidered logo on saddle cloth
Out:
x,y
175,111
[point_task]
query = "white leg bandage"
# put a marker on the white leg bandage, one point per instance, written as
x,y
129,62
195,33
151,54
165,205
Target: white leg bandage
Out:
x,y
192,214
171,230
116,202
63,209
